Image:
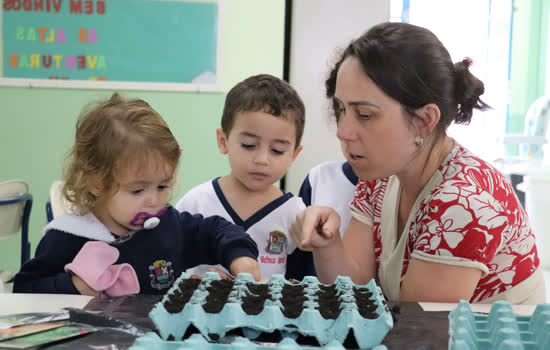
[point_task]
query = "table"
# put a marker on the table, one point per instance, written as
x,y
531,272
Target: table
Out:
x,y
124,318
120,320
18,303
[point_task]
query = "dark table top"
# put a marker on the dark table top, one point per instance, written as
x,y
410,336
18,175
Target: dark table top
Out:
x,y
121,320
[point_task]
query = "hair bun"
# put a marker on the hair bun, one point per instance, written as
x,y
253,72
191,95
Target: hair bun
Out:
x,y
468,90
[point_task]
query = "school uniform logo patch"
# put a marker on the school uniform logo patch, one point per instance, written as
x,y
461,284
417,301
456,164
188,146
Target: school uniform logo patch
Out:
x,y
275,242
161,274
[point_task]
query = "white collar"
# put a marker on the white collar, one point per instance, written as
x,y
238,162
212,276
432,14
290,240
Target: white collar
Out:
x,y
87,226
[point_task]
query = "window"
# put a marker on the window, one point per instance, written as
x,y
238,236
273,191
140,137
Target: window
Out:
x,y
481,30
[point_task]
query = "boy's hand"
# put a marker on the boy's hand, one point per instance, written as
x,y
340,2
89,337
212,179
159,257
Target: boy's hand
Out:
x,y
83,288
222,274
245,264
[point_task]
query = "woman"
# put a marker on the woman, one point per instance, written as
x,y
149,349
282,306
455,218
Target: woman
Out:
x,y
431,221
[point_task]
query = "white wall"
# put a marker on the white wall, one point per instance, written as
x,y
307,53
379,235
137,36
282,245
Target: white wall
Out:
x,y
319,28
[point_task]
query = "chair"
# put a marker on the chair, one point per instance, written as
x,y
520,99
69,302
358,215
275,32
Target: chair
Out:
x,y
57,204
15,211
536,132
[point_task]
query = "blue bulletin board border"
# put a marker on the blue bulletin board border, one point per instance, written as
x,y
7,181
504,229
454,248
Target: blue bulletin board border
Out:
x,y
157,45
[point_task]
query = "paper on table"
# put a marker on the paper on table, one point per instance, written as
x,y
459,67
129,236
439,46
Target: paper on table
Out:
x,y
525,310
47,336
9,321
17,303
19,331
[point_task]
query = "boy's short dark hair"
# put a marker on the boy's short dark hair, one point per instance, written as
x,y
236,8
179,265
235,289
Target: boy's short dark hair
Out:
x,y
264,92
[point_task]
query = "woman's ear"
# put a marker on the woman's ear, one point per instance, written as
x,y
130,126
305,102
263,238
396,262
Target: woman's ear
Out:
x,y
429,116
222,140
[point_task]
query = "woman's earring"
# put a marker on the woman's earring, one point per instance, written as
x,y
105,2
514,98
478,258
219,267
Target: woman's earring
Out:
x,y
418,141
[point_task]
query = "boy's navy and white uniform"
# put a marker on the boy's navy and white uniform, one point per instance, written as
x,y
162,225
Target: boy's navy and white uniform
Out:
x,y
158,255
331,184
269,227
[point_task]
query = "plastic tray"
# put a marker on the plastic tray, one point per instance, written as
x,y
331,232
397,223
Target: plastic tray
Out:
x,y
329,312
501,329
197,341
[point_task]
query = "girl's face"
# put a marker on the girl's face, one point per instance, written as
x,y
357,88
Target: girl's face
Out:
x,y
375,132
260,148
143,189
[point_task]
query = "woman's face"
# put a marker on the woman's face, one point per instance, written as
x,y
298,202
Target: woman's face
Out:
x,y
376,134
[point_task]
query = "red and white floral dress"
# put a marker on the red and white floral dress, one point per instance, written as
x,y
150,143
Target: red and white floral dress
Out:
x,y
466,215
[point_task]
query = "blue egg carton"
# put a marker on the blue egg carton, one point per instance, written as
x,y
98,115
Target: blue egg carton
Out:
x,y
500,329
358,308
196,341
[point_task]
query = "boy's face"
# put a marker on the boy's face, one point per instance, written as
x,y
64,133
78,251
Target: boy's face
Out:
x,y
144,189
260,148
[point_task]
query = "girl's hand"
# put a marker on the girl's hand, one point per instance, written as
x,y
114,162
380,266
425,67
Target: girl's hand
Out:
x,y
245,264
315,227
83,288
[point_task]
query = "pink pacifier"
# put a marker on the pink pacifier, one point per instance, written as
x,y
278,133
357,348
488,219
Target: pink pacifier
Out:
x,y
148,221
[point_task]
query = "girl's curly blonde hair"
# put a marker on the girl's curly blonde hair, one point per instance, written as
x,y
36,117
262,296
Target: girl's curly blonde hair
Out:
x,y
112,137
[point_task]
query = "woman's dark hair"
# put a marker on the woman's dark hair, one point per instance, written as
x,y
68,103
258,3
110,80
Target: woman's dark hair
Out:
x,y
412,66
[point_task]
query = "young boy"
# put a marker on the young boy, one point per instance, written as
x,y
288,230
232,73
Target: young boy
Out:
x,y
261,129
331,184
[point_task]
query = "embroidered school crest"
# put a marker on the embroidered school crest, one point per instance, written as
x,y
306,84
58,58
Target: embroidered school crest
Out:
x,y
161,274
276,242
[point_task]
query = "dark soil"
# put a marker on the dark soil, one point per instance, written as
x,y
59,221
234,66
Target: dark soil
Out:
x,y
329,305
253,302
218,291
293,300
365,305
176,302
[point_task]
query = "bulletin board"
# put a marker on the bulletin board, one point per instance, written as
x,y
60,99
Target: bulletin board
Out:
x,y
111,44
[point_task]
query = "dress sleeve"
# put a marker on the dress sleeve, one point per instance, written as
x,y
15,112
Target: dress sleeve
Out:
x,y
461,226
361,206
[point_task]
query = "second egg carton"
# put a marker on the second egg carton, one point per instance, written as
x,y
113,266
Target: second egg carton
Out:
x,y
500,329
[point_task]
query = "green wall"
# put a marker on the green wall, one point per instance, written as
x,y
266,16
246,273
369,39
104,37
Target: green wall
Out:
x,y
38,123
529,58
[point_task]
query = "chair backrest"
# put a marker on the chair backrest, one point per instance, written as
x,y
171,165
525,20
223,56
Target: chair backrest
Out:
x,y
57,205
15,211
537,123
12,204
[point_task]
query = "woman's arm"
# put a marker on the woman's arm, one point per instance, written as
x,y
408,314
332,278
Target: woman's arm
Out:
x,y
351,256
317,229
436,282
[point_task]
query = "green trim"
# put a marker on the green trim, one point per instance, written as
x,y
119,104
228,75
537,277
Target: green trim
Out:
x,y
544,44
